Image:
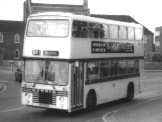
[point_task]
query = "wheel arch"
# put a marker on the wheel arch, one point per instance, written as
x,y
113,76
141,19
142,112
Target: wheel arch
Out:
x,y
130,91
90,92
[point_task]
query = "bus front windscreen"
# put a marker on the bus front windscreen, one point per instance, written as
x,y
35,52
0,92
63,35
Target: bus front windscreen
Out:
x,y
47,28
46,71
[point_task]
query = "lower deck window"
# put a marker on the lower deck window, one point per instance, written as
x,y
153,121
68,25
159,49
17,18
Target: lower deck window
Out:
x,y
109,69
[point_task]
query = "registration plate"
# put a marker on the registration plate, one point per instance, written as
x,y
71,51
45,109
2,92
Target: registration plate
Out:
x,y
44,87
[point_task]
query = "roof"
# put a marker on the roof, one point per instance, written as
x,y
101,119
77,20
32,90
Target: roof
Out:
x,y
124,18
81,17
148,32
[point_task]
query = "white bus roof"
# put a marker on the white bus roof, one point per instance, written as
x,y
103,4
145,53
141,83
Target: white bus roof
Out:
x,y
85,18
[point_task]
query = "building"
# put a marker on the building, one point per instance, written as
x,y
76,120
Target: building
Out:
x,y
148,35
31,7
148,43
12,32
11,38
158,40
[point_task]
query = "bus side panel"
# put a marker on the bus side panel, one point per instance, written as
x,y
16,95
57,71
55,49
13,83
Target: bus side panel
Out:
x,y
112,90
104,92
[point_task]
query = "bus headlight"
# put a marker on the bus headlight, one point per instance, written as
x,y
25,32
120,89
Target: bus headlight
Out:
x,y
61,102
28,98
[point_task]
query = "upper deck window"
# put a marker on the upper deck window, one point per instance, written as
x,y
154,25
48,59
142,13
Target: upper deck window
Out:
x,y
48,28
131,33
122,32
80,29
113,31
138,34
96,30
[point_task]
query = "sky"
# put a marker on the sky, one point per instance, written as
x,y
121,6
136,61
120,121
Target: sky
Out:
x,y
146,12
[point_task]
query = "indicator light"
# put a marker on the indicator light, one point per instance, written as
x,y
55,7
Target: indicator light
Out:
x,y
36,52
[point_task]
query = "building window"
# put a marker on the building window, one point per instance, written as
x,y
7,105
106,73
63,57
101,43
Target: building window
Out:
x,y
17,38
17,53
1,37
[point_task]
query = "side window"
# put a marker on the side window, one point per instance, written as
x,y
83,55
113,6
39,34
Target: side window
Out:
x,y
131,33
96,30
136,66
113,32
114,68
122,67
1,37
122,32
98,71
93,71
131,66
101,31
91,29
80,29
105,68
138,34
106,31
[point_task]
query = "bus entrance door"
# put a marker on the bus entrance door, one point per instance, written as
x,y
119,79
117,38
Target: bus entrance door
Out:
x,y
77,85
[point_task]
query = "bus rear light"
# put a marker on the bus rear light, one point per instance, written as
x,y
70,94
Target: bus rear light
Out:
x,y
50,53
36,52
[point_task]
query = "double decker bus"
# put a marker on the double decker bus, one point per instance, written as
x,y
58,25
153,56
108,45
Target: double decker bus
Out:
x,y
73,62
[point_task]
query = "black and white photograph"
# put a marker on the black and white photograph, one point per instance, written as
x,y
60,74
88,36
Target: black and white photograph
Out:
x,y
80,61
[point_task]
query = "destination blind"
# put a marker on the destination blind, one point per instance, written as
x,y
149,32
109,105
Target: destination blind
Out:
x,y
111,47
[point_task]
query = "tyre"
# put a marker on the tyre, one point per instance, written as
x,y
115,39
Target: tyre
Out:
x,y
130,92
91,101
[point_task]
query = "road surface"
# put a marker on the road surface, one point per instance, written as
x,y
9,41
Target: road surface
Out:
x,y
145,107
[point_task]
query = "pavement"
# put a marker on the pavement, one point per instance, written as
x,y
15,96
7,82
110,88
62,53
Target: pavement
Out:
x,y
1,87
3,79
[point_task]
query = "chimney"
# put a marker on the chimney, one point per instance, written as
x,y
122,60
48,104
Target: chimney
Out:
x,y
85,4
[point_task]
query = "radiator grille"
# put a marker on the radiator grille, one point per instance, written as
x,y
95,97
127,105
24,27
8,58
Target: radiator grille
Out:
x,y
44,97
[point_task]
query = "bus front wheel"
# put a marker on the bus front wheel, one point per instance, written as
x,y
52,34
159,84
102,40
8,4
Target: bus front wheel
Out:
x,y
130,92
91,100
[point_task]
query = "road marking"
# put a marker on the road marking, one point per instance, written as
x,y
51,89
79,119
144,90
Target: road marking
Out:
x,y
107,117
13,109
93,120
4,81
4,88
